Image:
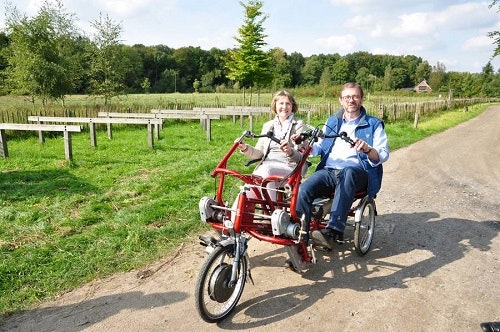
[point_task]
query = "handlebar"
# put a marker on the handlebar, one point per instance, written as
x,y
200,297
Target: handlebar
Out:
x,y
312,134
316,133
269,135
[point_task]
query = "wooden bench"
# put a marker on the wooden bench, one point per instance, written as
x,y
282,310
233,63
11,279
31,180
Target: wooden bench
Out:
x,y
92,121
205,118
157,126
66,130
237,111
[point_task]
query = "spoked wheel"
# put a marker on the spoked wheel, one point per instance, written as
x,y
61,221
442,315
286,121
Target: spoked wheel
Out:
x,y
364,227
214,295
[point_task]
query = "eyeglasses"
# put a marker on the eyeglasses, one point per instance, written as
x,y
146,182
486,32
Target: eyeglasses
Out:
x,y
347,98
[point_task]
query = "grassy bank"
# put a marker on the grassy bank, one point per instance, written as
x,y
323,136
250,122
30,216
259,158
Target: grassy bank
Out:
x,y
117,206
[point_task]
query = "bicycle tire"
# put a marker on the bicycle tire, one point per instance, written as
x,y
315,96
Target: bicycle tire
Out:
x,y
214,299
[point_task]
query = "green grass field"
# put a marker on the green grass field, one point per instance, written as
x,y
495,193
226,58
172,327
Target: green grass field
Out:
x,y
120,205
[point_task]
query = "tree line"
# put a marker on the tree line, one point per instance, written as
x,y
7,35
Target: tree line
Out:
x,y
47,57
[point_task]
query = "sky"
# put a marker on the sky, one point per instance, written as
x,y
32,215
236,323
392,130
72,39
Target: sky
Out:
x,y
453,33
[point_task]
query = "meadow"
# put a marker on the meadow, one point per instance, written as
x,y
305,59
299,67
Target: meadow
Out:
x,y
120,205
18,108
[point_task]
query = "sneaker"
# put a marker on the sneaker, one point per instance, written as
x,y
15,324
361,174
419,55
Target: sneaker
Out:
x,y
491,327
326,237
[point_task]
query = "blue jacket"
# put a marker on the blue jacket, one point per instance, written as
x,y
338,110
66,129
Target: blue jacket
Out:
x,y
364,130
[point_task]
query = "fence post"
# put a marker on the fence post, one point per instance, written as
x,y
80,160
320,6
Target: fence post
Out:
x,y
93,138
417,113
380,114
110,131
41,139
68,149
3,144
209,128
150,134
250,118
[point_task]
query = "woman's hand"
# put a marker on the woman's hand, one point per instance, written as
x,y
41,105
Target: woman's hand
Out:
x,y
294,137
242,146
286,147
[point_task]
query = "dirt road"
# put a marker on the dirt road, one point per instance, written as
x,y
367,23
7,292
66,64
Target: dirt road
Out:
x,y
434,265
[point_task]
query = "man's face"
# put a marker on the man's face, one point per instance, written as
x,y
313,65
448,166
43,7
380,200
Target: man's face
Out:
x,y
351,100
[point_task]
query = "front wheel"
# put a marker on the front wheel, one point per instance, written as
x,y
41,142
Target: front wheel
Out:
x,y
364,227
214,295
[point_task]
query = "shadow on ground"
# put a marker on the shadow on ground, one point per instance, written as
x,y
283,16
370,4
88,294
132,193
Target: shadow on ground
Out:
x,y
396,234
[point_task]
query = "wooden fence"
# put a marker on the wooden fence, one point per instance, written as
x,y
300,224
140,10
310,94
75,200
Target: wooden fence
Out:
x,y
389,112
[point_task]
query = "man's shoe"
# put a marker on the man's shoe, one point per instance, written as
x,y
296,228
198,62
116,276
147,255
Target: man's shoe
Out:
x,y
490,326
326,237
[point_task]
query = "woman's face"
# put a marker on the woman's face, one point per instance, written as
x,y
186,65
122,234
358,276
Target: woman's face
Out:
x,y
283,107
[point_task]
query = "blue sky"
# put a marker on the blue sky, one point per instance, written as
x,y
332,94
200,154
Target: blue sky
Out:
x,y
451,32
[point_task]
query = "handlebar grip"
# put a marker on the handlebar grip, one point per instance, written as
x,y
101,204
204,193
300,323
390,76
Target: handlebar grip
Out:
x,y
271,136
299,139
343,135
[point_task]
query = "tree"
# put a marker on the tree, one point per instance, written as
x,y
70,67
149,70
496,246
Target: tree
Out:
x,y
363,78
470,85
312,70
42,55
282,76
399,77
249,64
170,79
437,77
495,34
188,62
388,78
423,72
340,71
489,81
108,71
4,44
325,81
296,61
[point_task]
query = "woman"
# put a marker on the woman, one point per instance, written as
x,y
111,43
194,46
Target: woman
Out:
x,y
277,159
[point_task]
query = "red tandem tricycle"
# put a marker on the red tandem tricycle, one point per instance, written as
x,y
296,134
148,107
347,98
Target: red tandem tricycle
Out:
x,y
223,275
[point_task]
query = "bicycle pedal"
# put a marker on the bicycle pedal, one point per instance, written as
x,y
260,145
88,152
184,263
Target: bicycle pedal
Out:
x,y
321,248
206,240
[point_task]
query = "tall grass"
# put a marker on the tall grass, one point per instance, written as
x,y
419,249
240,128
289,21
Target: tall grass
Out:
x,y
117,206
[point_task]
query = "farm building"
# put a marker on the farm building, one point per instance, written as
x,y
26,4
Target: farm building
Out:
x,y
423,87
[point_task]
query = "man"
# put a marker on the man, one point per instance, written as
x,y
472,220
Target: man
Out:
x,y
345,168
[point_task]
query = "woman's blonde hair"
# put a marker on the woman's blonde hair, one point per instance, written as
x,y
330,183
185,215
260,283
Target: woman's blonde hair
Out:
x,y
284,93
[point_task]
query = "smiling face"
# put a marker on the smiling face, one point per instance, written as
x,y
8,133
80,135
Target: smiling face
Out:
x,y
283,107
351,100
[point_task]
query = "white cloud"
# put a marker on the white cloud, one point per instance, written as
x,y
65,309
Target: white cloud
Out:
x,y
477,42
377,31
412,25
339,44
124,8
467,15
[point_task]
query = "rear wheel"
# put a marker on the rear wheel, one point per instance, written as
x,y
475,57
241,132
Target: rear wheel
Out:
x,y
364,226
214,295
